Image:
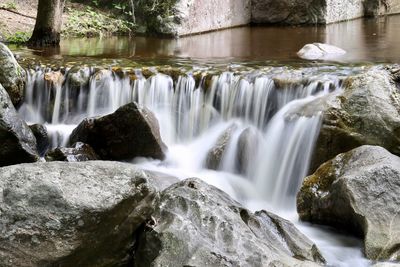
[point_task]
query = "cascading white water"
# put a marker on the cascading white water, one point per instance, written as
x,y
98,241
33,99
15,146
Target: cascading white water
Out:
x,y
192,118
186,110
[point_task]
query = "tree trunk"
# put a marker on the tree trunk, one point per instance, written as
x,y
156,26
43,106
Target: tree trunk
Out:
x,y
48,23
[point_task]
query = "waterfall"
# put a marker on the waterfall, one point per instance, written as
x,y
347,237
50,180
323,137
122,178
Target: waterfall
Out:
x,y
195,112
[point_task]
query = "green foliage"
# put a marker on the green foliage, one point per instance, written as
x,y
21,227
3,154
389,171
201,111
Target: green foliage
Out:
x,y
93,23
10,5
155,14
18,37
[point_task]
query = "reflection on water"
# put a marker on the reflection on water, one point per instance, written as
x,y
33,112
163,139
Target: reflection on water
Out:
x,y
364,39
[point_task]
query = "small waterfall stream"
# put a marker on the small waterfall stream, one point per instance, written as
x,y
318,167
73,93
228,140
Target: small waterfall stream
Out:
x,y
193,113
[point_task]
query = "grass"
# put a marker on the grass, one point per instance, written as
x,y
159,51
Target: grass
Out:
x,y
18,37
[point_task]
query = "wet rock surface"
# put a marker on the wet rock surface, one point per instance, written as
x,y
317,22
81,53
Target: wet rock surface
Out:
x,y
12,76
131,131
42,137
78,152
358,191
245,148
196,224
365,112
72,214
18,144
216,154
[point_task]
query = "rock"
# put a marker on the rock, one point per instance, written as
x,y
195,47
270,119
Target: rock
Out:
x,y
79,76
358,191
203,16
78,152
184,17
72,214
131,131
55,78
18,144
381,7
249,141
12,76
246,142
320,51
296,12
215,155
365,112
42,138
386,264
196,224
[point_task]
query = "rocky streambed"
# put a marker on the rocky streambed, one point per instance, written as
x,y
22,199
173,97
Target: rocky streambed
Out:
x,y
81,201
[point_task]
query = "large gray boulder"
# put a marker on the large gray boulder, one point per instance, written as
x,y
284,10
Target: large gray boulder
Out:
x,y
358,191
18,144
196,224
131,131
365,112
12,76
72,214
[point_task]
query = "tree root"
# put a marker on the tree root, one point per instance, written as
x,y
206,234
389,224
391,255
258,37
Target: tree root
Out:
x,y
16,12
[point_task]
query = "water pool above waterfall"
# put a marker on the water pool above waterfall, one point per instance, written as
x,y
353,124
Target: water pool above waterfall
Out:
x,y
365,40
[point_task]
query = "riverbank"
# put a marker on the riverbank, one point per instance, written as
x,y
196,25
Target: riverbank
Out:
x,y
17,20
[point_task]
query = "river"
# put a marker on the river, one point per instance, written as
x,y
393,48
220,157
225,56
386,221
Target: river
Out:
x,y
244,81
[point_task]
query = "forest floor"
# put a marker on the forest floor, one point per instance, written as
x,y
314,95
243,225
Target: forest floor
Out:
x,y
17,20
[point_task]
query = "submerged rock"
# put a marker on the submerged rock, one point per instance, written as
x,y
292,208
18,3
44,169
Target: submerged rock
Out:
x,y
249,142
18,144
131,131
42,138
12,76
72,214
244,148
320,51
196,224
358,191
365,112
78,152
215,155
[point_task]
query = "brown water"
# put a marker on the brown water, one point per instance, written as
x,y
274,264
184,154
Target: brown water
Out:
x,y
365,40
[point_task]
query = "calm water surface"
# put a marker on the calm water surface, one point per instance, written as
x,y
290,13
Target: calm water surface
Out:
x,y
365,40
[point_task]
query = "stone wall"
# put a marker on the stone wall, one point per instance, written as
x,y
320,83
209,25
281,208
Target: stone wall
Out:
x,y
319,11
338,10
195,16
201,16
